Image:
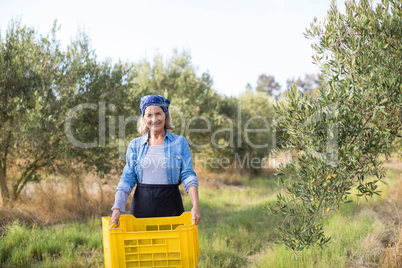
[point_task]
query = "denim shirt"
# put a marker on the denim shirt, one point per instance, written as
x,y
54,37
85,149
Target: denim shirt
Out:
x,y
179,166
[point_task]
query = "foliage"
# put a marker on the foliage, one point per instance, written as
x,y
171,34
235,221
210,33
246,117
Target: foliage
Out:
x,y
339,138
309,85
40,86
258,113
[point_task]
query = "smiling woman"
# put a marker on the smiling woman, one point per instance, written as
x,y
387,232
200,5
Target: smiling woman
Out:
x,y
158,162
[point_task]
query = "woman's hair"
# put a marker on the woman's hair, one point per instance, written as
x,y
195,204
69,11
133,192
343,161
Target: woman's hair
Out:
x,y
143,128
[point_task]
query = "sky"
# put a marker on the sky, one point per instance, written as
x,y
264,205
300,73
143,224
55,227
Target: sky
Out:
x,y
235,41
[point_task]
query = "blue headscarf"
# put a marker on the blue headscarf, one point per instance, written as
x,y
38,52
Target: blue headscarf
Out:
x,y
154,100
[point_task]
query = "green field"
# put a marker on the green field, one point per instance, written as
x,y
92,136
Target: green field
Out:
x,y
235,231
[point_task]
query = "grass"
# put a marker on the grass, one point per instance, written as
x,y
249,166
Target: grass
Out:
x,y
72,244
235,231
347,233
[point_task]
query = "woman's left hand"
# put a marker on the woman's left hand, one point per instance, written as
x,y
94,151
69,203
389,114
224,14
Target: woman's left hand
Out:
x,y
195,212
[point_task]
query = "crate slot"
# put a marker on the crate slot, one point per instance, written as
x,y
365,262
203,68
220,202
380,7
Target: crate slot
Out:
x,y
131,250
152,227
145,257
159,241
160,263
146,264
165,227
132,257
160,256
144,242
130,242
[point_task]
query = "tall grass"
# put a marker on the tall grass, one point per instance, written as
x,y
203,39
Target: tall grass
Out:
x,y
63,245
59,200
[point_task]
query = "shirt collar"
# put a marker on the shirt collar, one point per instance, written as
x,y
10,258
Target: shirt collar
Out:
x,y
168,135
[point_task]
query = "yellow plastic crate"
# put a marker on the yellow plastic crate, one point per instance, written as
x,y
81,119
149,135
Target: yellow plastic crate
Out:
x,y
151,242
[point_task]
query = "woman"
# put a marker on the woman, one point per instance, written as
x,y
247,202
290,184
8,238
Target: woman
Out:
x,y
157,163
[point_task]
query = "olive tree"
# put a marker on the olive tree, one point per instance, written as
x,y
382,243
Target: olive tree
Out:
x,y
51,98
339,137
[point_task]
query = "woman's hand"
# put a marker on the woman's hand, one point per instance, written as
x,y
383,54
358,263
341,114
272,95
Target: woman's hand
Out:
x,y
115,217
195,212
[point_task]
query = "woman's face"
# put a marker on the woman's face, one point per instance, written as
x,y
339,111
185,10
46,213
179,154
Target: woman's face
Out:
x,y
155,118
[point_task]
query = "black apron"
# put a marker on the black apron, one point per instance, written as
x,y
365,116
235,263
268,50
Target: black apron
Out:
x,y
156,200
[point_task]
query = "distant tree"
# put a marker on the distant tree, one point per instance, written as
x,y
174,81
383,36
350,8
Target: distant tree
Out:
x,y
248,88
339,138
309,85
257,110
267,84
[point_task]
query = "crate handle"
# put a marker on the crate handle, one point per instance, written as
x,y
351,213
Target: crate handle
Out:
x,y
113,224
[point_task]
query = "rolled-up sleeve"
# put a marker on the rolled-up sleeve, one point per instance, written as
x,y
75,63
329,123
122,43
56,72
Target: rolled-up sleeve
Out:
x,y
128,178
187,174
120,200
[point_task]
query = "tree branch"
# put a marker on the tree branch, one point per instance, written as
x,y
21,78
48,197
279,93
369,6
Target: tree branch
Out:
x,y
365,123
24,174
316,212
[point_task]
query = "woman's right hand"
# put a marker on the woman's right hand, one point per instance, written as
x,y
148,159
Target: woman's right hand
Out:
x,y
115,217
